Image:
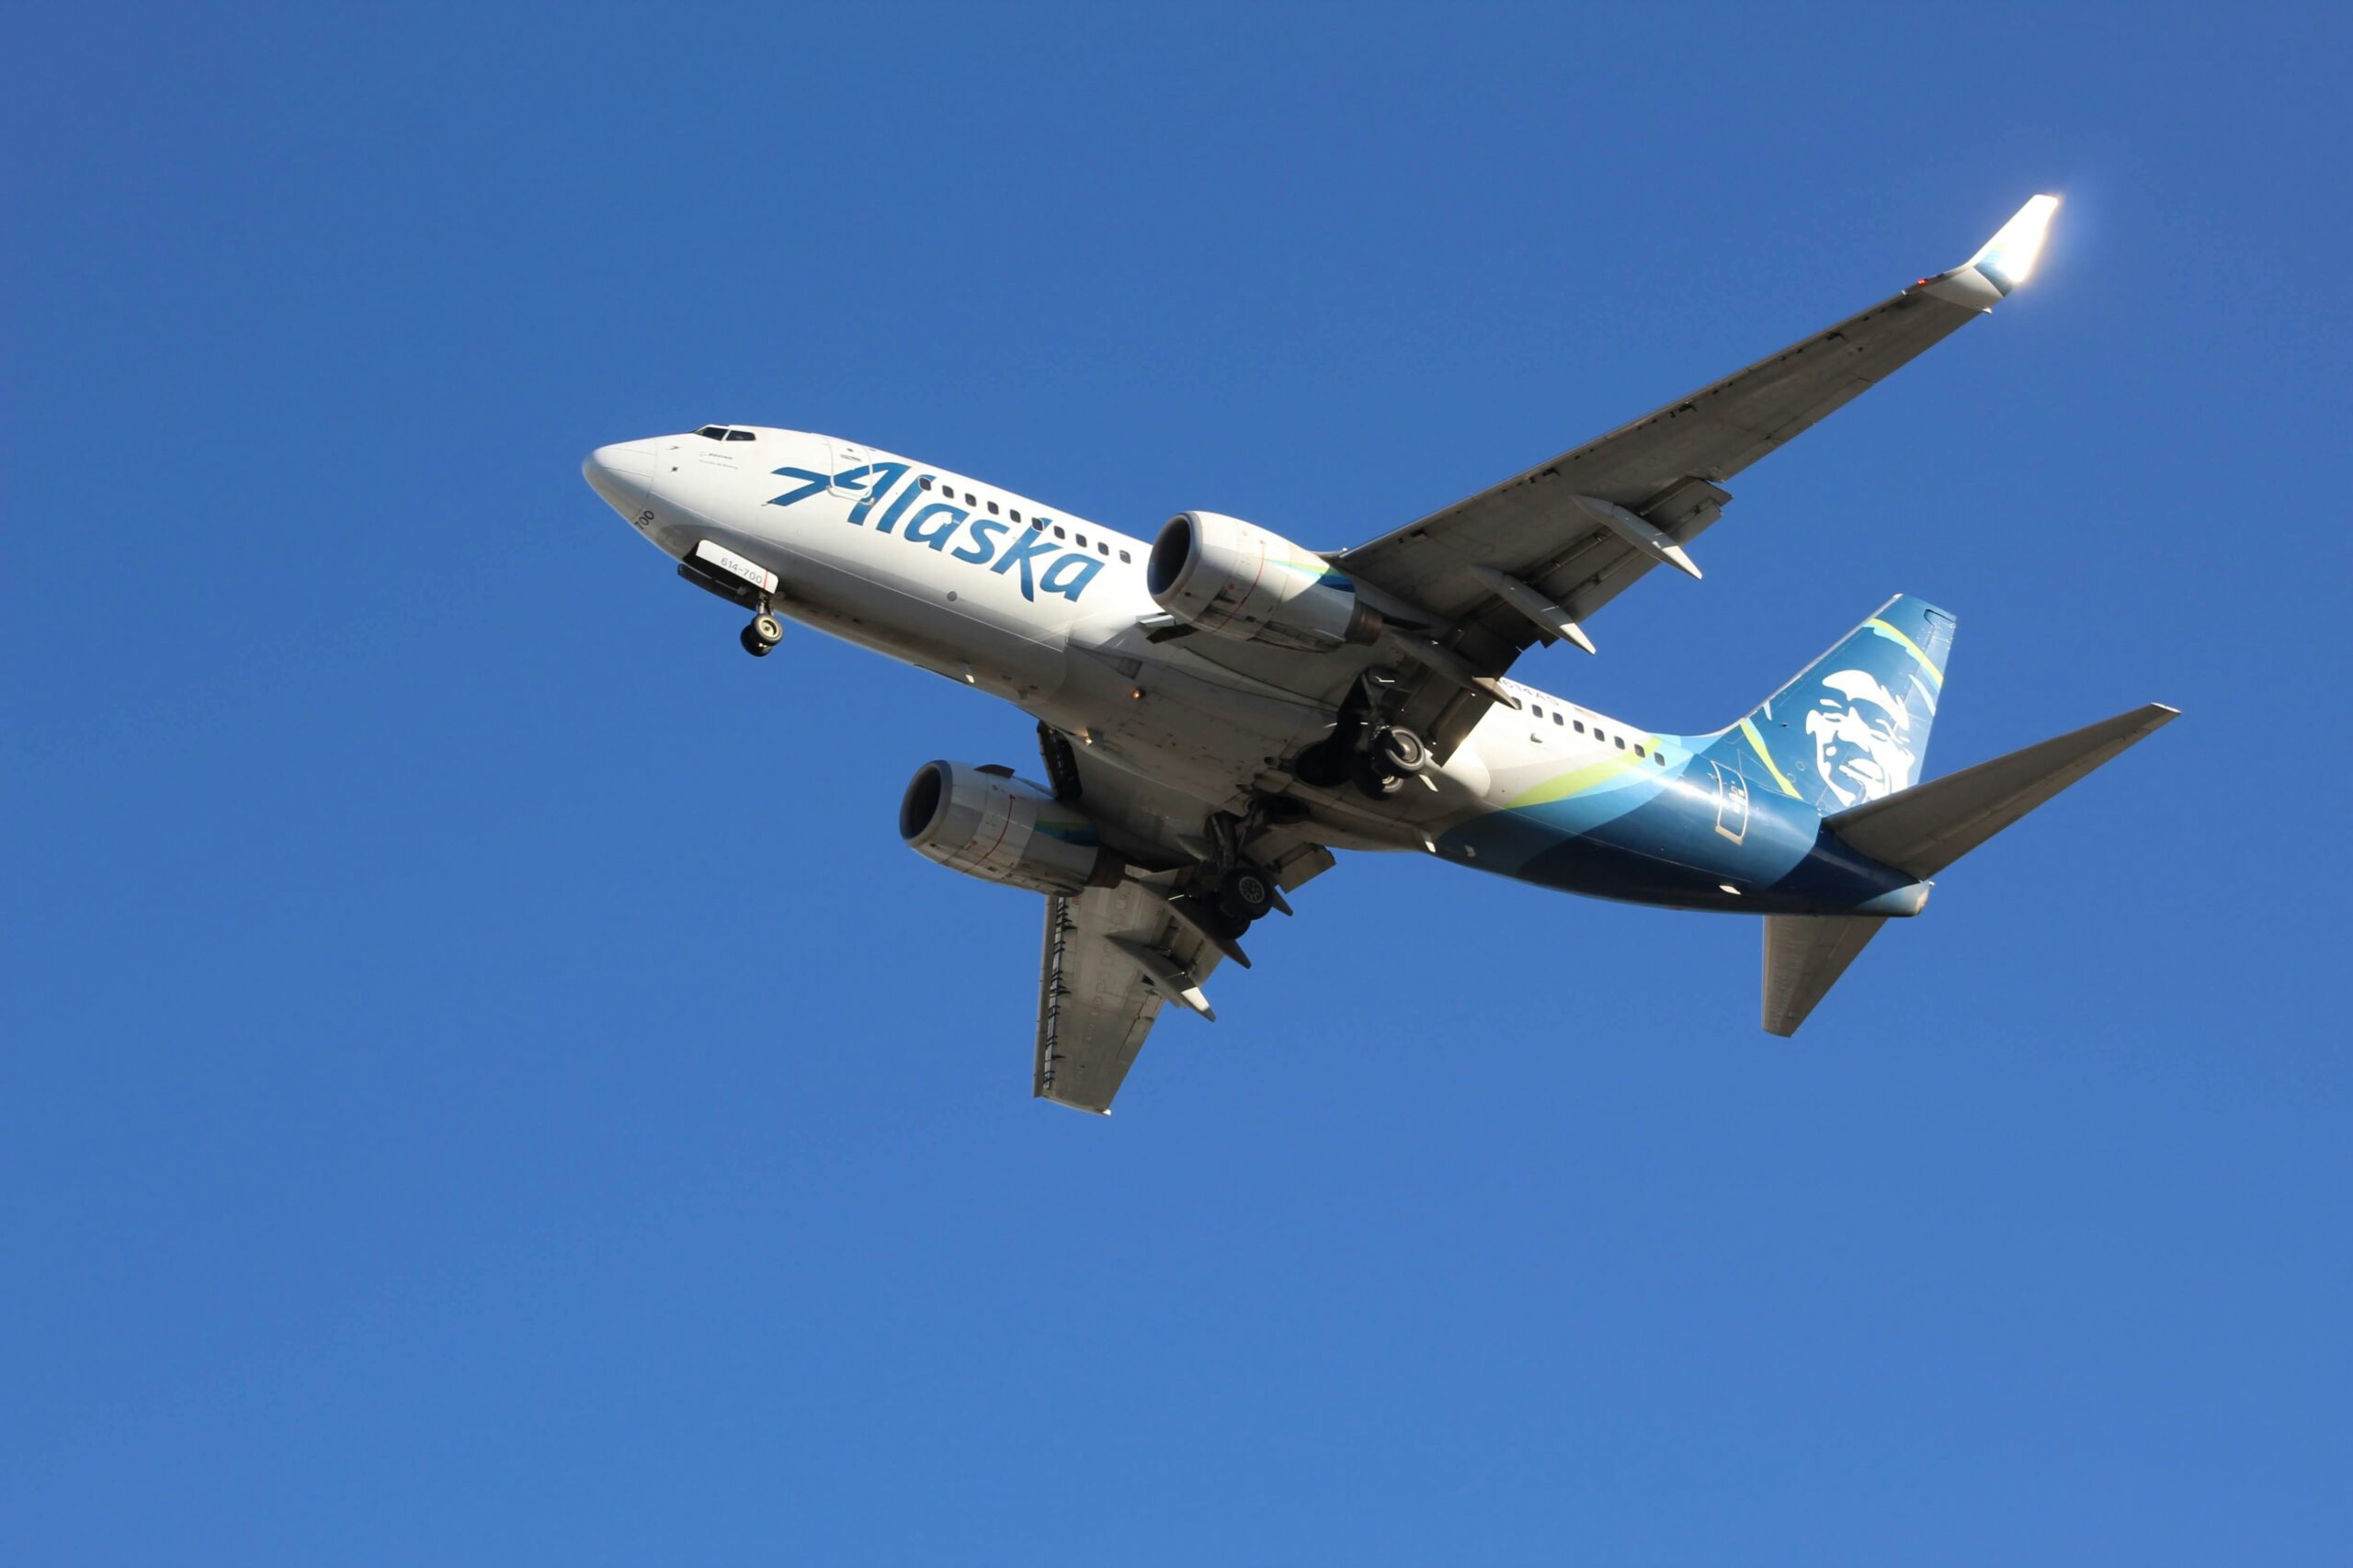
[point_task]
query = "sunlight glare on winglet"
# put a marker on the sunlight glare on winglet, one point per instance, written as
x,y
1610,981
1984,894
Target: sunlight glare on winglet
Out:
x,y
2002,263
2009,256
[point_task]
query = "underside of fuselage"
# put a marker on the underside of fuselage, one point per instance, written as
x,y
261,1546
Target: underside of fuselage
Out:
x,y
1655,856
1675,828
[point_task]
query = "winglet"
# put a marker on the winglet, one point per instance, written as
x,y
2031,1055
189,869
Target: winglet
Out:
x,y
2002,263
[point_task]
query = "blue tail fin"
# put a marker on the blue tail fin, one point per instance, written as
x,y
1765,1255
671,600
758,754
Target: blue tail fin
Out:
x,y
1854,726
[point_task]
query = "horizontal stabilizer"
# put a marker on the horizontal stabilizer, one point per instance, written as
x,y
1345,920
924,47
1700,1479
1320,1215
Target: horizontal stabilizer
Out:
x,y
1922,830
1804,956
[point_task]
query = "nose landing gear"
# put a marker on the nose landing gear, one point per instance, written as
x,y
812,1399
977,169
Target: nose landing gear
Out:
x,y
760,638
715,569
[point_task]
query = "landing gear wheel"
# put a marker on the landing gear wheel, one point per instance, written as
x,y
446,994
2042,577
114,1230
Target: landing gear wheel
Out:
x,y
753,645
1401,751
1244,894
766,628
1373,780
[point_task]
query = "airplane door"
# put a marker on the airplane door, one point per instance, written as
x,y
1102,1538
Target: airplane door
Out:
x,y
850,463
1731,802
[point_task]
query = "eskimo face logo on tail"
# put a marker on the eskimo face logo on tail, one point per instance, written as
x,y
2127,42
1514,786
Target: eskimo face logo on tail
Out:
x,y
1045,566
1863,738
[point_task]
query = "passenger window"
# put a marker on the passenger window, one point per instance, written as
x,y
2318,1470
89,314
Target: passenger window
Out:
x,y
1536,709
1058,534
1013,512
1036,525
1081,542
1659,758
925,482
1580,726
1123,555
1102,550
968,499
992,506
1621,741
1638,750
1556,717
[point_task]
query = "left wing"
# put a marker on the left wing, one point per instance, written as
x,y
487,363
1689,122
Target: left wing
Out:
x,y
1528,560
1113,955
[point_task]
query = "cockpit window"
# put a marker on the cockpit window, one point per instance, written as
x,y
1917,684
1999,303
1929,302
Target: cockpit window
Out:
x,y
714,432
741,435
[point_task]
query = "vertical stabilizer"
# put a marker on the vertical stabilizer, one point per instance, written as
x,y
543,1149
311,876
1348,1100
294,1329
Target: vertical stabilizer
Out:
x,y
1853,726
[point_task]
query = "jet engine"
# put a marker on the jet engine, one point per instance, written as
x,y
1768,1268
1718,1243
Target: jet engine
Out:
x,y
985,822
1230,578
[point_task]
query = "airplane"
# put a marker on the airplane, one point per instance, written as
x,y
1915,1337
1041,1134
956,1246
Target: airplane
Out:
x,y
1219,710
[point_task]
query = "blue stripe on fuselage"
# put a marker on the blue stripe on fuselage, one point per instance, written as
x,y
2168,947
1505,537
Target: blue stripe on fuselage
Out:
x,y
1667,839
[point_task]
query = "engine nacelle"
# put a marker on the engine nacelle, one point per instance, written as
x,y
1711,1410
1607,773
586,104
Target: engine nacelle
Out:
x,y
985,822
1233,579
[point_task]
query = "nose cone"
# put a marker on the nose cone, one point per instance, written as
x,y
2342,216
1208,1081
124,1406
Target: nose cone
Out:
x,y
620,474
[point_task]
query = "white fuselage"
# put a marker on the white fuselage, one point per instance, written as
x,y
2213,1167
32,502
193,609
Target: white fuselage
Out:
x,y
992,589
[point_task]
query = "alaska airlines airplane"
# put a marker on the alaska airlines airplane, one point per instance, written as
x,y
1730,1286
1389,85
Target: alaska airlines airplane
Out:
x,y
1218,708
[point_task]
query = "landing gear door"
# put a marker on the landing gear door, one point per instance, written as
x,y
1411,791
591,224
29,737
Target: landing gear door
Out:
x,y
1731,802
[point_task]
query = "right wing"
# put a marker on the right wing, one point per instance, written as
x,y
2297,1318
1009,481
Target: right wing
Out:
x,y
1113,955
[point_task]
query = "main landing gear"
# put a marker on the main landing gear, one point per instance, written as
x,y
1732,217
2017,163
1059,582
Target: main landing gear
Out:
x,y
1376,757
760,638
1229,893
1380,769
1244,894
1367,748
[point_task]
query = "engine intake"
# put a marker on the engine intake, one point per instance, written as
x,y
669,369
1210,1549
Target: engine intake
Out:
x,y
1230,578
985,822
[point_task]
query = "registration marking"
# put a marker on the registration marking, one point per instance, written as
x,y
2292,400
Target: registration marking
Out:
x,y
734,565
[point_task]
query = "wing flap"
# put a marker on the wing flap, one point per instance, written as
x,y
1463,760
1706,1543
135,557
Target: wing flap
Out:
x,y
1096,997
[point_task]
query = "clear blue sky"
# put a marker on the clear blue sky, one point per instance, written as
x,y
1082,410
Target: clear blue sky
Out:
x,y
484,1083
